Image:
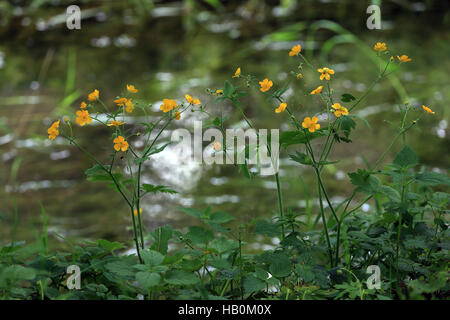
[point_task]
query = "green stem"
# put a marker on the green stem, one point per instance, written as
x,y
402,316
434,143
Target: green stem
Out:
x,y
90,156
277,177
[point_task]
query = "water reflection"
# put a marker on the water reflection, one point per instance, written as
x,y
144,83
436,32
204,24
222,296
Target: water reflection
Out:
x,y
171,61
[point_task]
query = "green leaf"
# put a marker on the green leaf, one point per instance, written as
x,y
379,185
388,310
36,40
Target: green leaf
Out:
x,y
288,138
148,279
268,228
179,277
406,158
261,273
430,178
159,188
306,159
365,182
192,212
150,151
151,257
252,284
220,263
96,170
199,235
221,217
18,272
228,89
161,237
391,193
347,125
243,167
217,122
240,94
281,266
121,268
105,177
301,158
305,272
191,265
347,97
110,246
223,245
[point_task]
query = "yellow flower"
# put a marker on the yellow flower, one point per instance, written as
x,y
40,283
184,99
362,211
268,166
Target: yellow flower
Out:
x,y
281,107
53,131
115,123
177,115
295,50
135,212
83,105
83,117
217,146
66,119
237,73
311,124
121,101
403,58
191,100
380,47
392,58
218,92
325,73
317,90
131,88
428,109
94,95
339,110
120,144
266,84
168,104
129,106
299,76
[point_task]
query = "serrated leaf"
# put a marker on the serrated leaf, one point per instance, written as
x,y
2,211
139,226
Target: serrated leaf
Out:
x,y
179,277
151,257
288,138
192,212
347,97
161,237
110,246
347,125
268,228
430,178
281,266
252,284
390,192
159,188
301,158
406,158
220,217
199,235
148,279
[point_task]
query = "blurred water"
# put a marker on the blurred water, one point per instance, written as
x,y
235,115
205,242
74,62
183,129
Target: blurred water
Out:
x,y
50,73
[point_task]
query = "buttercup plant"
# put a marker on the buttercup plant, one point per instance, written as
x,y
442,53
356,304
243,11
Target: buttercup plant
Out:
x,y
131,189
405,236
337,129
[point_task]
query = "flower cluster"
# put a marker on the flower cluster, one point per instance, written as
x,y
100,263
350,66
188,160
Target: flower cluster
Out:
x,y
53,131
168,105
311,124
339,110
325,73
